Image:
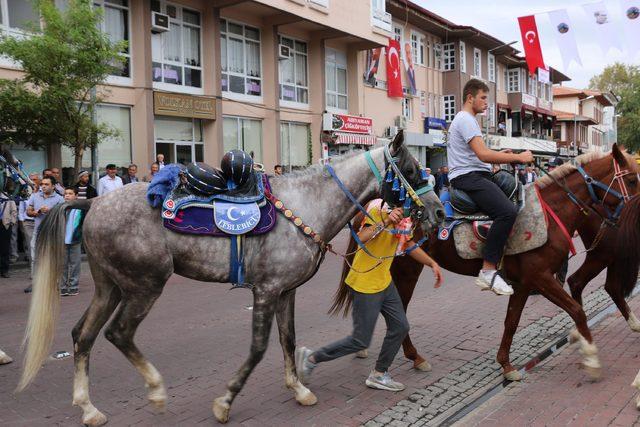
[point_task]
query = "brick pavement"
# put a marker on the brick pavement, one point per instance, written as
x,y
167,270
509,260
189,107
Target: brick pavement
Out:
x,y
197,335
557,392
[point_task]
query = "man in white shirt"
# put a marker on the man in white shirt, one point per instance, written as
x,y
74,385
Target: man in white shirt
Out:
x,y
160,161
110,181
431,180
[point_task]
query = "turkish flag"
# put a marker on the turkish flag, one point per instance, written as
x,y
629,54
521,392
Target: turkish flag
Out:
x,y
394,82
531,43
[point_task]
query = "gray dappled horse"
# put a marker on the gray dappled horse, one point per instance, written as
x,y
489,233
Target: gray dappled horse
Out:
x,y
132,255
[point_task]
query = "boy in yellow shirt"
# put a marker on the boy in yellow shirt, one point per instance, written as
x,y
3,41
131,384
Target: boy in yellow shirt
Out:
x,y
373,293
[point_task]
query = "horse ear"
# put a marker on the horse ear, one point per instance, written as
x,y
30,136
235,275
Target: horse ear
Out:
x,y
397,142
618,155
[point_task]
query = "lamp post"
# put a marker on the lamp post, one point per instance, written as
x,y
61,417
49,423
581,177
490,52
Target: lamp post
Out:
x,y
495,67
575,118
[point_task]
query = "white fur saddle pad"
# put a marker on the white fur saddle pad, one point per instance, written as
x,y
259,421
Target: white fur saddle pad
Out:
x,y
529,231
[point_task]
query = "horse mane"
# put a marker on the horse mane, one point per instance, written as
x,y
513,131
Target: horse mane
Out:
x,y
567,168
316,168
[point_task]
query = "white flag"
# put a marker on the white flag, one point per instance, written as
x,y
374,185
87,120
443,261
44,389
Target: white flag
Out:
x,y
598,15
631,19
565,38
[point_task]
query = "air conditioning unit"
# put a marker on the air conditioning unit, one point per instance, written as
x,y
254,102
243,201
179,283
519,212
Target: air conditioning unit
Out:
x,y
391,131
284,52
401,122
159,22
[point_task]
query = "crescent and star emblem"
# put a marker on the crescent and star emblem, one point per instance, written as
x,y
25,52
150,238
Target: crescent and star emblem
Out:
x,y
394,51
229,212
530,36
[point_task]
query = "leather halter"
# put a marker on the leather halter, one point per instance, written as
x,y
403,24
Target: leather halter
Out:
x,y
622,196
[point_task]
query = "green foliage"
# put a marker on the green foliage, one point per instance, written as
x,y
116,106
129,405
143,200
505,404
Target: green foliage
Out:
x,y
624,81
63,60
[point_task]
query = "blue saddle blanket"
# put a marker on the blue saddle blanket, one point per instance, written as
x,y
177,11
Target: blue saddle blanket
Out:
x,y
236,219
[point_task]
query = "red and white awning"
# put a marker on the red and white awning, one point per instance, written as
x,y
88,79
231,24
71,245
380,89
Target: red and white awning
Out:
x,y
356,139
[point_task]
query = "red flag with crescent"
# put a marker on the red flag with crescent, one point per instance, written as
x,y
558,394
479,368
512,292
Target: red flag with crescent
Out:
x,y
394,82
531,43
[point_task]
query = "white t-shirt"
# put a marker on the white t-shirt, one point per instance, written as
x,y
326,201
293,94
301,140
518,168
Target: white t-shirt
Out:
x,y
461,158
107,185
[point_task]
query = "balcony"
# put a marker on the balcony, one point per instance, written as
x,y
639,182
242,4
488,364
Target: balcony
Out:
x,y
537,145
381,19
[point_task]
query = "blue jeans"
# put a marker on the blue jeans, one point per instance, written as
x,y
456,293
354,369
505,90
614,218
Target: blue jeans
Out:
x,y
72,261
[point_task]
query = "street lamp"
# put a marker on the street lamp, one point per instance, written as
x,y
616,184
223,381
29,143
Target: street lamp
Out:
x,y
575,118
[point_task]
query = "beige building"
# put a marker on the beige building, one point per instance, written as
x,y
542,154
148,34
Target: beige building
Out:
x,y
581,125
206,76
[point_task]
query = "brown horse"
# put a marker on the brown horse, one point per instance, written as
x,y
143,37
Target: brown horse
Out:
x,y
534,270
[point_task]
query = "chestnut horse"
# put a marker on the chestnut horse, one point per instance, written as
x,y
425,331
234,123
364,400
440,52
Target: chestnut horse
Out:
x,y
534,270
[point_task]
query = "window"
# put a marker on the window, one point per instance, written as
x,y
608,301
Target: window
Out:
x,y
116,150
492,115
179,139
463,58
336,79
533,86
497,77
18,16
449,107
417,48
176,53
295,144
437,54
449,53
115,23
506,79
477,63
240,59
491,63
430,60
243,134
294,85
398,34
407,108
513,84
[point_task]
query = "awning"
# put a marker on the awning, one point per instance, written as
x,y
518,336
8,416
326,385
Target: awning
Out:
x,y
356,139
529,108
504,107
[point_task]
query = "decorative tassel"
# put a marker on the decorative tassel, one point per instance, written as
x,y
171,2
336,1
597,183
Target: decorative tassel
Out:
x,y
423,174
407,203
389,177
403,193
396,184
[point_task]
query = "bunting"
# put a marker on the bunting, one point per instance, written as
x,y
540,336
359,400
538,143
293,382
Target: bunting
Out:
x,y
565,37
600,19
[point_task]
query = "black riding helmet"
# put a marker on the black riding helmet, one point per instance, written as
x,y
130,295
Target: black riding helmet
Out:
x,y
237,167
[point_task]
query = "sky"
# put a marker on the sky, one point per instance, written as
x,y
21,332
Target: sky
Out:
x,y
499,18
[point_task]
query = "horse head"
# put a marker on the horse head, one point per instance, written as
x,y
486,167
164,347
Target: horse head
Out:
x,y
409,189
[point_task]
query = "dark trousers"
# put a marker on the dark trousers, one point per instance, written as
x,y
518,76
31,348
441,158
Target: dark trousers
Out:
x,y
365,311
494,203
5,248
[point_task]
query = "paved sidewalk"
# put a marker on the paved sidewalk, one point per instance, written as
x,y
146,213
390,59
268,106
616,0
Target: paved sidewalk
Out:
x,y
197,335
557,392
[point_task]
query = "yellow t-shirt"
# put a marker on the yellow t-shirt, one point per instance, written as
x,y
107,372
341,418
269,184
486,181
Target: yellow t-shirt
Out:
x,y
384,244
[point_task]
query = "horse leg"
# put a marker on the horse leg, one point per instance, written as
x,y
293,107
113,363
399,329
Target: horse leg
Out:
x,y
104,302
286,328
517,302
4,358
264,305
636,384
551,289
133,309
583,275
614,289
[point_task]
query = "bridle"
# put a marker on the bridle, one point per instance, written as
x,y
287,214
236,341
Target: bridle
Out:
x,y
622,196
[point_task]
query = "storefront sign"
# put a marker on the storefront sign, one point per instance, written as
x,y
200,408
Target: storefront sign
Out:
x,y
529,99
345,123
543,75
546,105
434,123
171,104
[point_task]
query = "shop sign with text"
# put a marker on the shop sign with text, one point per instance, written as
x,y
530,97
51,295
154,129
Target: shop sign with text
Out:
x,y
344,123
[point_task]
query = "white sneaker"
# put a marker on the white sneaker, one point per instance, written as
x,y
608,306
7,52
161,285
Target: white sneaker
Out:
x,y
491,280
383,382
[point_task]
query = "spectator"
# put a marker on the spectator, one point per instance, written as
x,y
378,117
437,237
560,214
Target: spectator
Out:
x,y
160,161
522,176
59,187
26,222
155,167
131,175
72,243
84,190
530,175
431,180
110,182
502,128
47,172
38,206
9,218
442,180
277,169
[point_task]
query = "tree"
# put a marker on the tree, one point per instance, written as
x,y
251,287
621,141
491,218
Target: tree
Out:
x,y
624,81
64,59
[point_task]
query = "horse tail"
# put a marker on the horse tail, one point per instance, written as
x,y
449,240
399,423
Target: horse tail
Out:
x,y
45,299
342,298
627,260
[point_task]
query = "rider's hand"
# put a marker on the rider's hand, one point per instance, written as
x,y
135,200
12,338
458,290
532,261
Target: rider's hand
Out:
x,y
525,157
437,274
507,150
395,216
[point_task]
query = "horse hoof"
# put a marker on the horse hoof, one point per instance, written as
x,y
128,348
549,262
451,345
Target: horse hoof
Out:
x,y
423,366
221,410
4,359
158,398
362,354
638,403
574,336
94,418
307,399
514,375
633,323
594,372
